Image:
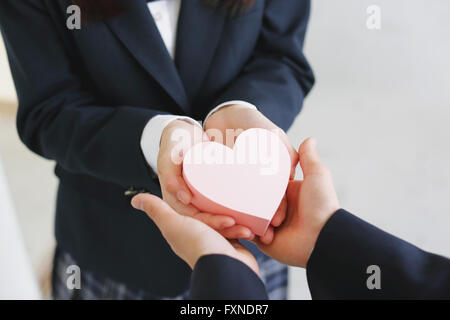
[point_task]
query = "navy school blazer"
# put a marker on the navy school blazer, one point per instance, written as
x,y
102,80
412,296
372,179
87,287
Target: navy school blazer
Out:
x,y
86,95
341,266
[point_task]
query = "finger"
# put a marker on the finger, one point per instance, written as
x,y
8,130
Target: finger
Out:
x,y
293,155
293,201
294,162
185,135
309,158
237,232
280,215
267,238
215,221
171,179
185,210
293,189
170,165
158,210
177,187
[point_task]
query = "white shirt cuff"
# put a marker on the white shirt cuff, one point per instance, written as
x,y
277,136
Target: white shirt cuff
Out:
x,y
151,136
228,103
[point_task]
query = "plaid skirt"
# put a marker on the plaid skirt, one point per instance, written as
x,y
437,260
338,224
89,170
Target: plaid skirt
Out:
x,y
96,287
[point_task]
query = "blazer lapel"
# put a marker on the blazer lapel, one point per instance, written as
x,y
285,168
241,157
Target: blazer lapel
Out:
x,y
198,34
138,32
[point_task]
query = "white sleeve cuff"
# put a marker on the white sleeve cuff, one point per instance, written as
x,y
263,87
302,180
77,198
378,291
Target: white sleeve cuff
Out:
x,y
228,103
151,136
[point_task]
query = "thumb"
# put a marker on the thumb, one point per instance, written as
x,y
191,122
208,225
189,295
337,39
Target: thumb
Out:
x,y
158,210
309,158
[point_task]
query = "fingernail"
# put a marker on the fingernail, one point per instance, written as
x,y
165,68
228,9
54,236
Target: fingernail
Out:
x,y
136,203
183,197
227,224
247,234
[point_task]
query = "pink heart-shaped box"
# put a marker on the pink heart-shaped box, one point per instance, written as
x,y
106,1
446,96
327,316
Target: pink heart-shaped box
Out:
x,y
247,182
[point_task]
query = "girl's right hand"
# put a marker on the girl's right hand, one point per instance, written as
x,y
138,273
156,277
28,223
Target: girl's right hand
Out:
x,y
176,140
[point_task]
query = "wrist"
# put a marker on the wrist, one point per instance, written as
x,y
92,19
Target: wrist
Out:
x,y
314,236
174,125
230,116
177,137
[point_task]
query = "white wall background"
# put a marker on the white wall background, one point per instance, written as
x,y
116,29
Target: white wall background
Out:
x,y
7,92
381,113
380,110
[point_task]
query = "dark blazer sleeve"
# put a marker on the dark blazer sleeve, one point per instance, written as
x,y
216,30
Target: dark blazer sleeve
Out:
x,y
57,117
277,77
347,246
220,277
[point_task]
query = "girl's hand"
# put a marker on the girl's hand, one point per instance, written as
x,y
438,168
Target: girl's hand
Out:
x,y
176,139
189,238
240,118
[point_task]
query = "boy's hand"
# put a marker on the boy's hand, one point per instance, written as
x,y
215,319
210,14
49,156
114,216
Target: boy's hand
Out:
x,y
311,203
189,238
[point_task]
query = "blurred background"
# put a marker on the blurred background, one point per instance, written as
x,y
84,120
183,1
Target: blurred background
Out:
x,y
380,111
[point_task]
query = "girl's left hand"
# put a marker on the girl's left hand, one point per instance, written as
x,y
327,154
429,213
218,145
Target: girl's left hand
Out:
x,y
239,117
